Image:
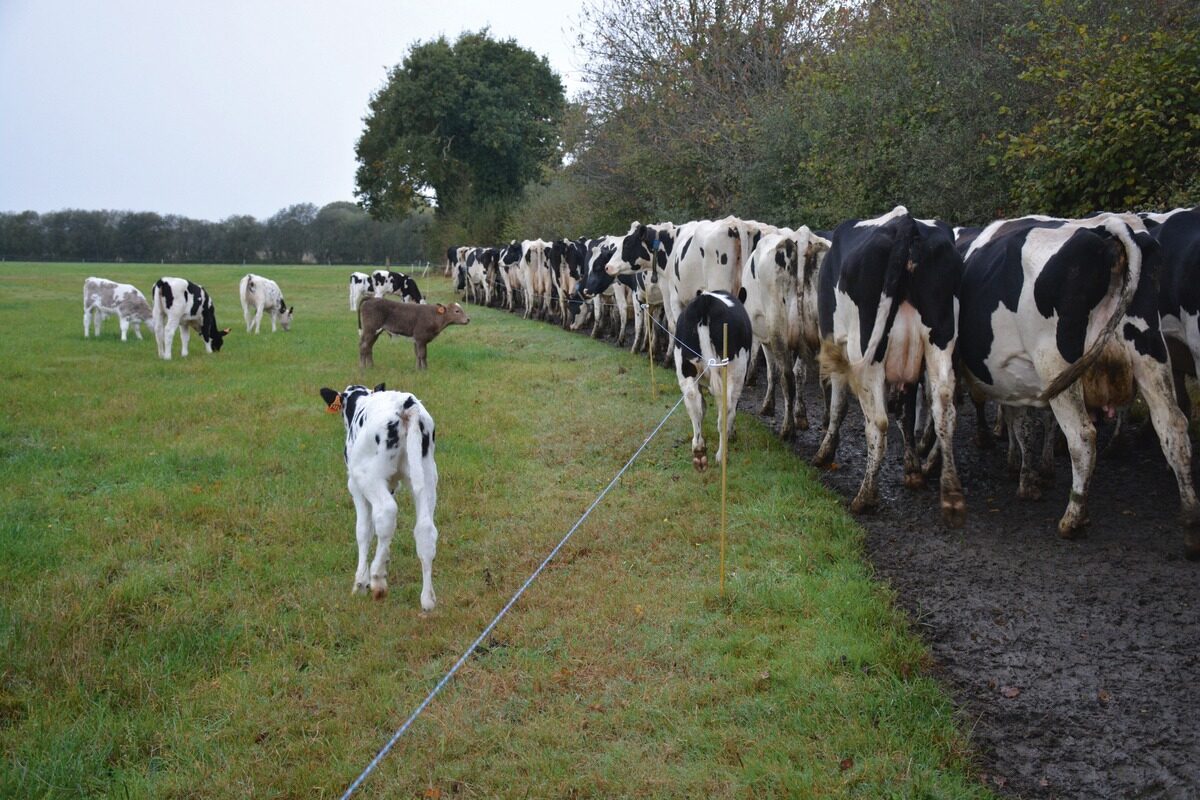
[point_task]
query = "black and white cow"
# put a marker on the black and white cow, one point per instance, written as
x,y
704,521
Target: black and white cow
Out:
x,y
181,305
1178,236
360,286
779,290
511,271
1066,313
888,316
263,294
102,298
607,291
451,261
385,282
700,347
390,438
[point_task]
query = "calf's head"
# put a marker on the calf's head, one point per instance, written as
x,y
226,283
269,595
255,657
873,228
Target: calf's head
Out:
x,y
452,314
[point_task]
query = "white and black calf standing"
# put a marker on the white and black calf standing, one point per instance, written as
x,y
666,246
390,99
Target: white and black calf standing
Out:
x,y
102,298
182,305
390,439
263,294
360,287
385,282
700,348
888,316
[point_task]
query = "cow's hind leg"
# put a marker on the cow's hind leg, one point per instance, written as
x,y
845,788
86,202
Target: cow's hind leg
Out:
x,y
767,408
1073,418
383,517
913,477
799,378
1171,425
363,530
693,399
838,396
875,425
1022,427
939,377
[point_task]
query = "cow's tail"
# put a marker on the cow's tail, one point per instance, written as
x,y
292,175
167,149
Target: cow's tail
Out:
x,y
736,283
418,443
244,289
158,314
901,260
1128,266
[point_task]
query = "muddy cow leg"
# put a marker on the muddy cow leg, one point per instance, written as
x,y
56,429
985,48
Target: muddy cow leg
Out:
x,y
939,375
1077,426
875,425
838,395
767,408
913,478
985,439
1022,427
799,378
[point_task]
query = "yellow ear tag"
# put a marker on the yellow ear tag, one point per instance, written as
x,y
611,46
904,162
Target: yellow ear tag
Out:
x,y
335,406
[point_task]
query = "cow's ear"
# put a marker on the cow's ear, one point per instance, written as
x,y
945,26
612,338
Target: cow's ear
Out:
x,y
333,400
441,309
380,387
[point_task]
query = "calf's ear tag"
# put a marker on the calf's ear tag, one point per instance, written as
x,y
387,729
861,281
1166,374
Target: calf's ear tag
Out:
x,y
441,308
335,406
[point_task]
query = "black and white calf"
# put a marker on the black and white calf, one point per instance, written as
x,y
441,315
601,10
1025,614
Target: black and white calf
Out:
x,y
1178,235
102,298
384,282
263,294
888,315
390,439
182,305
1066,313
700,344
360,286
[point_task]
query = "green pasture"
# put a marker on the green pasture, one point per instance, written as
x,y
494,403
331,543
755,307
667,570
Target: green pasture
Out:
x,y
177,553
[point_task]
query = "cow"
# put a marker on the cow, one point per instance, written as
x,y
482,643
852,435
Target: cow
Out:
x,y
422,322
478,273
613,291
568,263
103,298
888,315
1178,236
451,261
511,271
779,290
384,282
390,438
263,294
179,304
360,286
714,326
1065,313
535,278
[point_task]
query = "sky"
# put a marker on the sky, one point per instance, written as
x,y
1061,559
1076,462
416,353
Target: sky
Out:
x,y
211,108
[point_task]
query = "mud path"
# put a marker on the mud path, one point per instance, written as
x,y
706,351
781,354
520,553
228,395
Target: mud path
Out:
x,y
1075,664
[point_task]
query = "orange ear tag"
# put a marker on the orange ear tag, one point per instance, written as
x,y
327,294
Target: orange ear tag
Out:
x,y
335,406
441,309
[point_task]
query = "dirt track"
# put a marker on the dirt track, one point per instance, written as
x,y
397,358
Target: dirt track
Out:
x,y
1074,663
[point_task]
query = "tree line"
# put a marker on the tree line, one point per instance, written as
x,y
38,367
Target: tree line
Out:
x,y
797,111
337,233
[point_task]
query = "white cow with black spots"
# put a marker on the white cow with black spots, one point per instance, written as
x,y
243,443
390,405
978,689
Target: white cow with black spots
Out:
x,y
390,439
263,294
103,298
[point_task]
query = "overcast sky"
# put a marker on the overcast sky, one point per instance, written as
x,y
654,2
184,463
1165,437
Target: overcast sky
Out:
x,y
217,107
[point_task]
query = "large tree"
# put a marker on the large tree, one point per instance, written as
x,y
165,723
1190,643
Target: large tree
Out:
x,y
470,121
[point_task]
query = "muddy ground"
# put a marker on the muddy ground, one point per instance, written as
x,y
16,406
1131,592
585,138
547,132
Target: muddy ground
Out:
x,y
1074,664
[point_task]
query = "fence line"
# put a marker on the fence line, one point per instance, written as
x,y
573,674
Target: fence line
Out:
x,y
496,620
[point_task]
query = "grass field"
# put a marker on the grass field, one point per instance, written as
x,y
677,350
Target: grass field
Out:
x,y
177,553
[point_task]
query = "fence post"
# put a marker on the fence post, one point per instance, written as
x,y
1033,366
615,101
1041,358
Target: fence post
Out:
x,y
724,449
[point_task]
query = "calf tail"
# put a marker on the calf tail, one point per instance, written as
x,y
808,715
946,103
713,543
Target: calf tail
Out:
x,y
244,288
1127,264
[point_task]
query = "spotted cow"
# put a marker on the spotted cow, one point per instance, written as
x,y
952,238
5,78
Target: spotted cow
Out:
x,y
263,294
181,305
390,439
385,282
103,298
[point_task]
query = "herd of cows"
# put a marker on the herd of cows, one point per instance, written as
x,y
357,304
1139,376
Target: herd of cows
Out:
x,y
1057,321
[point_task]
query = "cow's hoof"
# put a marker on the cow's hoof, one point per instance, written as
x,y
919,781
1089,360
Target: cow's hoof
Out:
x,y
427,603
379,588
700,461
860,505
1069,529
822,459
914,479
954,510
359,588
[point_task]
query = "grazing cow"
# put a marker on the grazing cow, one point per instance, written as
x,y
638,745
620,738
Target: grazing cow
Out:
x,y
385,282
1178,236
181,305
360,286
699,346
263,294
887,311
102,298
420,321
1066,313
569,262
390,438
779,289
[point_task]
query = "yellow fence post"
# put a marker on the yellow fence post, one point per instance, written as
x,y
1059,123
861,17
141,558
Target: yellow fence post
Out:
x,y
725,449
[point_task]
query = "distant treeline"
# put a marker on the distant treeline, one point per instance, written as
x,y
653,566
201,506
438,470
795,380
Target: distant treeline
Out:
x,y
338,233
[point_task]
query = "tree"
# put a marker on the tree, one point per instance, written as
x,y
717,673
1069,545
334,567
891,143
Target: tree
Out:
x,y
474,119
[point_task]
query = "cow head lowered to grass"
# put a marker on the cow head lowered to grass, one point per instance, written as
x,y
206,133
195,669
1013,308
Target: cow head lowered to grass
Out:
x,y
390,438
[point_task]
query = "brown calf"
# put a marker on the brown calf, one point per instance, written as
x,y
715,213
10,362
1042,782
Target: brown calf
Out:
x,y
421,322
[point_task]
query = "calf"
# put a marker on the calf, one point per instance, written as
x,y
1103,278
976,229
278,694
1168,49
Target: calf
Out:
x,y
1179,294
699,347
888,313
102,298
390,438
182,305
421,322
360,285
263,294
387,282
